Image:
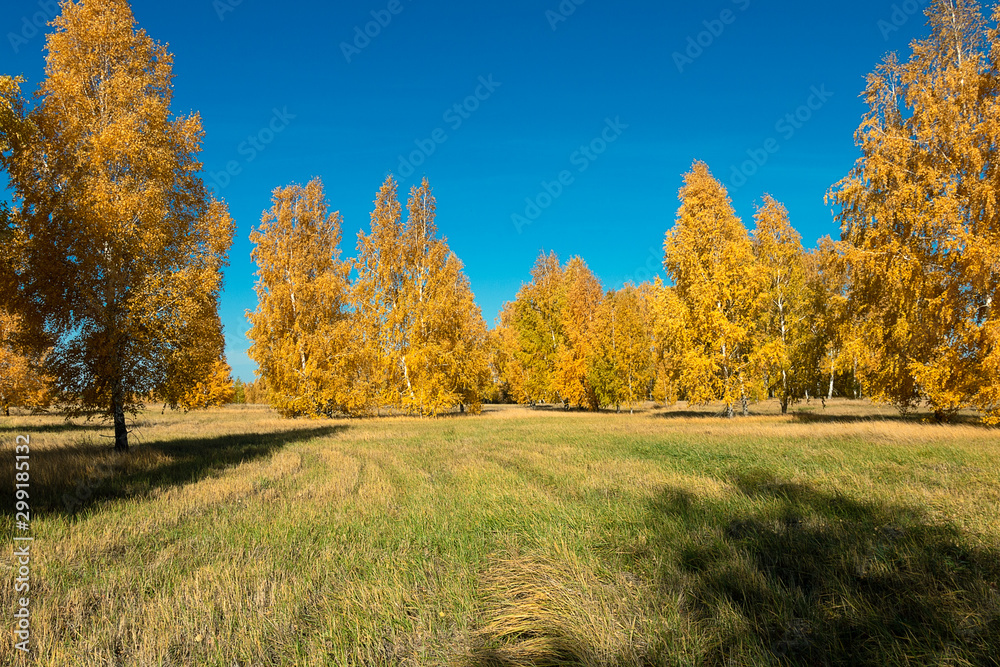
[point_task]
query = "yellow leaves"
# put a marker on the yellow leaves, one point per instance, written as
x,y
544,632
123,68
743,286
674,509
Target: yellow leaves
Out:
x,y
667,319
538,322
621,366
15,129
562,340
580,322
919,217
988,397
780,304
710,258
214,390
425,338
120,247
545,334
23,383
406,335
301,326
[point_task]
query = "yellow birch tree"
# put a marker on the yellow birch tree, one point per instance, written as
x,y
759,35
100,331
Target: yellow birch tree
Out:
x,y
533,325
583,295
376,299
23,383
508,370
423,338
667,319
621,365
445,359
920,218
779,254
824,353
301,329
111,209
709,256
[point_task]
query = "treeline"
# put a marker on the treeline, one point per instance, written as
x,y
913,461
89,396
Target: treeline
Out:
x,y
748,317
111,265
902,309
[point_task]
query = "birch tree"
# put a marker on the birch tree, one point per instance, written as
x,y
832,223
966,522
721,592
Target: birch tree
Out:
x,y
301,327
111,210
709,256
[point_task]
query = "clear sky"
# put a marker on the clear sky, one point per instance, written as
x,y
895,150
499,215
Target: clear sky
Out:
x,y
613,99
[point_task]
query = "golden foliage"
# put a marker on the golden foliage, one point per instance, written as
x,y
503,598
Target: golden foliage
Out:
x,y
781,309
197,371
621,367
301,329
446,357
406,335
114,227
710,258
580,325
920,217
23,383
213,391
535,336
824,352
545,338
666,316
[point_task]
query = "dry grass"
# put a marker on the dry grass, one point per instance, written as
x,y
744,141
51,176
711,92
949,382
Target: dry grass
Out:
x,y
843,535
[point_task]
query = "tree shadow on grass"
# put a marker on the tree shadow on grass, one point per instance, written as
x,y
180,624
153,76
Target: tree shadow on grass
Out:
x,y
691,414
8,431
804,577
67,480
912,418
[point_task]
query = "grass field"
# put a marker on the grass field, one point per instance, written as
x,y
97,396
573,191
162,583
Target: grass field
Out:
x,y
519,537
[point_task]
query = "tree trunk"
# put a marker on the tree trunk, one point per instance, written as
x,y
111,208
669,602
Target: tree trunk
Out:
x,y
784,392
829,396
729,410
121,430
6,411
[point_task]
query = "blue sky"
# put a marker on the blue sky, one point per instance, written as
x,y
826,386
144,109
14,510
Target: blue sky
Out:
x,y
579,116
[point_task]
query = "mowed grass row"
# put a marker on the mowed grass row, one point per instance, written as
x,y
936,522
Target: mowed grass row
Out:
x,y
519,537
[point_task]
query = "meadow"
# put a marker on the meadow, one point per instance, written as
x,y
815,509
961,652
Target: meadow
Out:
x,y
843,535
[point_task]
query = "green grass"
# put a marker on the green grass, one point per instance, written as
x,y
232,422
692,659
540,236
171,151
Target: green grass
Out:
x,y
843,536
